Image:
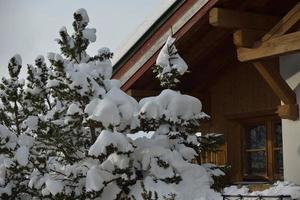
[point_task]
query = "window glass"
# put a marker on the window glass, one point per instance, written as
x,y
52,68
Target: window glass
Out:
x,y
278,134
278,161
256,162
256,137
256,150
263,147
278,156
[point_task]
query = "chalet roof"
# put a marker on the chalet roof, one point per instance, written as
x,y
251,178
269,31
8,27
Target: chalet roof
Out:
x,y
144,31
207,49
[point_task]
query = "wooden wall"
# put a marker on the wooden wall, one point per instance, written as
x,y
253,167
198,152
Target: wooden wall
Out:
x,y
238,92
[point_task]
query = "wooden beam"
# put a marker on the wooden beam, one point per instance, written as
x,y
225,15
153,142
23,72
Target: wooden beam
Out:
x,y
142,93
232,19
285,24
247,37
288,43
288,111
276,82
247,115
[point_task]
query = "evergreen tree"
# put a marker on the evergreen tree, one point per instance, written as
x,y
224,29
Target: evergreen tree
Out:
x,y
36,94
67,133
86,105
15,142
169,65
11,91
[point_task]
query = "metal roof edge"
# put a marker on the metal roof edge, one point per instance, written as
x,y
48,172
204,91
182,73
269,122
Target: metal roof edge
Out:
x,y
152,29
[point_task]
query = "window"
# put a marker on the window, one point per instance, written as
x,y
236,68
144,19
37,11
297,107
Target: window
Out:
x,y
262,147
256,150
277,151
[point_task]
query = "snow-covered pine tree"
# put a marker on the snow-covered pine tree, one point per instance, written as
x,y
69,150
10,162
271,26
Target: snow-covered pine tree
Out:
x,y
91,158
36,95
15,143
12,113
169,65
81,124
166,158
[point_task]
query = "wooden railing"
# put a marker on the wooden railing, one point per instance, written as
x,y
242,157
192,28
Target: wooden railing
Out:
x,y
217,157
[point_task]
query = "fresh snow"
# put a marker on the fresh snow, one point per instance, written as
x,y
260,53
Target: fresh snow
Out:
x,y
106,138
98,110
7,137
90,34
22,155
25,140
173,105
84,15
279,188
40,58
54,186
94,180
73,109
18,59
31,122
168,58
2,174
115,161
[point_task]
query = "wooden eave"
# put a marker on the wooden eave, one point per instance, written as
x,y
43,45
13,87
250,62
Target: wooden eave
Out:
x,y
275,42
207,48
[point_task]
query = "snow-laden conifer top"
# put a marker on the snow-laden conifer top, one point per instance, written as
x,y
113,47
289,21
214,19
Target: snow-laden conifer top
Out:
x,y
169,59
84,16
18,59
169,64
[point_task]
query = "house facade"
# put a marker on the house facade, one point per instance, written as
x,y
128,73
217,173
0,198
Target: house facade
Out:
x,y
244,65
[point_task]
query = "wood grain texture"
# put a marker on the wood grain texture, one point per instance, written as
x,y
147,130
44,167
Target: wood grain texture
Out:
x,y
233,19
277,46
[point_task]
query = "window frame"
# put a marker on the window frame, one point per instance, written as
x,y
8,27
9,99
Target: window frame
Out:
x,y
270,173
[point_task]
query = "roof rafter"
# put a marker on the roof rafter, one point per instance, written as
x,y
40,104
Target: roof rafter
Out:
x,y
232,19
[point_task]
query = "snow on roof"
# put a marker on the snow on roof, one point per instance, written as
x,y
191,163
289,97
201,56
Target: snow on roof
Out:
x,y
141,29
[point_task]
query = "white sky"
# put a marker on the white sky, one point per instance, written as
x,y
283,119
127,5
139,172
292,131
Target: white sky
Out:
x,y
29,27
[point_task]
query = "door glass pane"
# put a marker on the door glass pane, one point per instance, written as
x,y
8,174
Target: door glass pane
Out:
x,y
278,134
256,163
256,137
278,161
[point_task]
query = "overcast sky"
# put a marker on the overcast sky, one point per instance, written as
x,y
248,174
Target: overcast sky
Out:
x,y
29,27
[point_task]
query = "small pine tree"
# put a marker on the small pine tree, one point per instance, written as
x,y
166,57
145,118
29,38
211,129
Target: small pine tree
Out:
x,y
11,91
37,95
169,65
15,140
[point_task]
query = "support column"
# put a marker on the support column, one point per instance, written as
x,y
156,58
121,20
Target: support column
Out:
x,y
290,71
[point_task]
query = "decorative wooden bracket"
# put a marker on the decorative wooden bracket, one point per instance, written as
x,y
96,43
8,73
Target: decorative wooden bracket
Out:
x,y
254,43
284,44
290,109
247,37
276,82
275,42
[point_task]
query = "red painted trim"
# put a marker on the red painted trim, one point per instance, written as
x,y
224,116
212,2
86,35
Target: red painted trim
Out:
x,y
151,41
149,63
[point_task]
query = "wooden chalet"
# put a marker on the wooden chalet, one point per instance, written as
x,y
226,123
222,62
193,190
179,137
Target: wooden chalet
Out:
x,y
242,55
